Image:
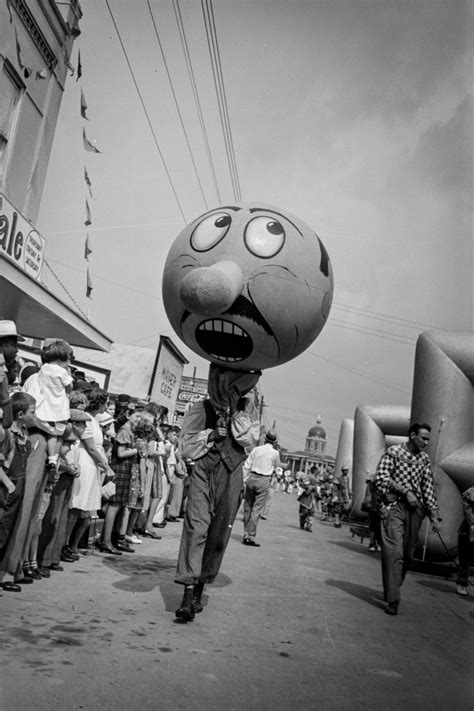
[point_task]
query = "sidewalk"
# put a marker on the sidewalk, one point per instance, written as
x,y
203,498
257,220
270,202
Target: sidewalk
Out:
x,y
297,624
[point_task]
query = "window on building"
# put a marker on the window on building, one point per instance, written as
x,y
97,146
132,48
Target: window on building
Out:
x,y
11,89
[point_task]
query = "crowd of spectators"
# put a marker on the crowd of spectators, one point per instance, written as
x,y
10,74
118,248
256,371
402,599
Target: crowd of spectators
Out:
x,y
72,455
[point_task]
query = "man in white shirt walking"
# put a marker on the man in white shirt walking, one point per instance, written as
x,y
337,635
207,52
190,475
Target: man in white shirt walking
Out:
x,y
258,469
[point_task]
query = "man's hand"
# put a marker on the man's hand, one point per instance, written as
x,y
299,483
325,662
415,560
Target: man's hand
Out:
x,y
218,433
435,519
10,487
412,501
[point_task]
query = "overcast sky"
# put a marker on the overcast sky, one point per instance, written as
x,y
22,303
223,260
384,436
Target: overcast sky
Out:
x,y
356,116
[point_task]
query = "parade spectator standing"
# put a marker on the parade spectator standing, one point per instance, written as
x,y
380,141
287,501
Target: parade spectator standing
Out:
x,y
53,532
124,455
405,489
176,475
86,496
371,507
9,339
258,470
16,449
342,495
466,542
215,435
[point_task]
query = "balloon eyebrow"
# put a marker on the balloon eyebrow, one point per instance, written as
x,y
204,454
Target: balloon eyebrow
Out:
x,y
274,212
216,209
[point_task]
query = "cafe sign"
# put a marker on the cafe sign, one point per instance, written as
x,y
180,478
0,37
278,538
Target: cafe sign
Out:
x,y
19,241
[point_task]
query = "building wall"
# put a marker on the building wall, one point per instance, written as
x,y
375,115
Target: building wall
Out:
x,y
32,83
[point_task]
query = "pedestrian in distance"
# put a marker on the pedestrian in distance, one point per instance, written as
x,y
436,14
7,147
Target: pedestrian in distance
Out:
x,y
258,470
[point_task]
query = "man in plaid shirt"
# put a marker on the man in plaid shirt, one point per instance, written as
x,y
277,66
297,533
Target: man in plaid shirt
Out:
x,y
405,490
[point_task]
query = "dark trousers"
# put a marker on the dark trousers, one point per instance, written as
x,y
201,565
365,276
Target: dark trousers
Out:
x,y
53,531
214,497
256,493
306,513
399,536
9,508
466,558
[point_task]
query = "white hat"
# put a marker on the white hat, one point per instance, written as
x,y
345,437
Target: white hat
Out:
x,y
8,329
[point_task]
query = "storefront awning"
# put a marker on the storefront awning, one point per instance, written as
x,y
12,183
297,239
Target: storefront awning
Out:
x,y
38,313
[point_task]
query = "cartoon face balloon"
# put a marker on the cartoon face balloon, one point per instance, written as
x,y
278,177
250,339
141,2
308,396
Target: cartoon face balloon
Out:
x,y
247,286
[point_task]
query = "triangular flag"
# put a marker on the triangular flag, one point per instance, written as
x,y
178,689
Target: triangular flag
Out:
x,y
88,181
68,63
87,144
88,220
83,106
79,66
87,249
10,11
41,74
26,71
89,286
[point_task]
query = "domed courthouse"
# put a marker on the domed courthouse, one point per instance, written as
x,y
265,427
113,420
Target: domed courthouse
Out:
x,y
314,453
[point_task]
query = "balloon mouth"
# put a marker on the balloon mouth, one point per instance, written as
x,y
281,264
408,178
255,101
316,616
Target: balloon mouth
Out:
x,y
223,340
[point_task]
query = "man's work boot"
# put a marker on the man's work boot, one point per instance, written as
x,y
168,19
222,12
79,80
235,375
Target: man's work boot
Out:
x,y
186,610
197,594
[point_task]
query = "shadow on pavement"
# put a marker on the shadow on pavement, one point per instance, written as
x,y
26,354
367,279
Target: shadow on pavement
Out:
x,y
368,595
444,588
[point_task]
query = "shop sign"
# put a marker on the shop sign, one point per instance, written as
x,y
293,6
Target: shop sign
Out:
x,y
19,241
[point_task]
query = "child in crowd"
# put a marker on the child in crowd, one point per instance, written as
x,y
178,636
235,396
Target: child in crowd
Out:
x,y
307,484
15,452
54,384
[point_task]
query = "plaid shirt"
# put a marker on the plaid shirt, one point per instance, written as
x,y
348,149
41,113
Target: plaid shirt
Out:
x,y
408,472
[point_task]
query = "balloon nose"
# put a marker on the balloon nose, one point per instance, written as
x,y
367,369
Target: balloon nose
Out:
x,y
209,291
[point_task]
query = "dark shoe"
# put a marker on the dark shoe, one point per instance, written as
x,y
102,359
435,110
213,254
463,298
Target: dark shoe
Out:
x,y
172,519
56,567
9,586
250,542
337,524
109,548
197,594
68,558
26,580
264,518
391,608
151,534
44,572
159,525
70,552
33,573
122,545
186,610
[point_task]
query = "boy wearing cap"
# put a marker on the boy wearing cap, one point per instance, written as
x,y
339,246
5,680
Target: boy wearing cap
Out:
x,y
258,469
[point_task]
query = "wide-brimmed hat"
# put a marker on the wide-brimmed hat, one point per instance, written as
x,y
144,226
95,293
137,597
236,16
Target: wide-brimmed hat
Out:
x,y
77,415
8,330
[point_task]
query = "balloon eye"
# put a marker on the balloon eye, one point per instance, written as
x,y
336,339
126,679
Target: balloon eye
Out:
x,y
264,237
210,231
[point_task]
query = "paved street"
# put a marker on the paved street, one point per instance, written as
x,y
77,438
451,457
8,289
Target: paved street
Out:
x,y
296,624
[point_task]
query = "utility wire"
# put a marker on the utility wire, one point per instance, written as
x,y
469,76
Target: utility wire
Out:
x,y
146,114
347,327
377,315
211,36
177,105
358,372
65,289
187,56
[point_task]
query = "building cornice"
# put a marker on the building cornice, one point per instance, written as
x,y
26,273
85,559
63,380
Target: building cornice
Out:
x,y
35,33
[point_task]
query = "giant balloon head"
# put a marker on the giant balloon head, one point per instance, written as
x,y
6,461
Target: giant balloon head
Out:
x,y
247,286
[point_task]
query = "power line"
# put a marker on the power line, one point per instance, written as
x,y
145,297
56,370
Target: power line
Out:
x,y
177,105
407,341
187,56
65,289
358,372
377,315
146,114
109,281
213,46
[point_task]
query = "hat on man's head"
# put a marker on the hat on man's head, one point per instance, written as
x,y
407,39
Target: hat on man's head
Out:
x,y
123,400
76,415
271,436
8,330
